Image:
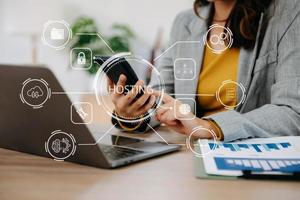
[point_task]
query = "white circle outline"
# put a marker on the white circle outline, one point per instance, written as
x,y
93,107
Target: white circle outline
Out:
x,y
64,133
64,23
29,80
205,38
100,74
188,141
237,84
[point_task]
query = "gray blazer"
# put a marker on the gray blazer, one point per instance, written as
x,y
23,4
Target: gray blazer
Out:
x,y
270,73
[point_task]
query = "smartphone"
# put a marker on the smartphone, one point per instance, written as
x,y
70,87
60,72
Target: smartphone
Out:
x,y
116,68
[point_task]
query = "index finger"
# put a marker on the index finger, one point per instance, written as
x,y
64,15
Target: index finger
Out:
x,y
122,80
165,97
120,86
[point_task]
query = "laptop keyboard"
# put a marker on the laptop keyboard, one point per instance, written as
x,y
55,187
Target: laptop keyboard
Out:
x,y
117,153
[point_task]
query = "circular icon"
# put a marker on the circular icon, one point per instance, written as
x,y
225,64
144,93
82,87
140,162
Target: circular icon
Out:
x,y
56,34
200,147
185,109
138,64
218,43
227,94
60,145
35,92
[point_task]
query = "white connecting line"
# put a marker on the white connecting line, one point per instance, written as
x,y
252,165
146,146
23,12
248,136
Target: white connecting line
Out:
x,y
199,95
97,34
178,42
158,134
58,93
161,136
105,134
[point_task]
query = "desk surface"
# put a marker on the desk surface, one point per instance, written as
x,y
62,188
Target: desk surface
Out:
x,y
24,176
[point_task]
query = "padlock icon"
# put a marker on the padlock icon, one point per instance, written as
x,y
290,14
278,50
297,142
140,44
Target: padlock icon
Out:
x,y
81,59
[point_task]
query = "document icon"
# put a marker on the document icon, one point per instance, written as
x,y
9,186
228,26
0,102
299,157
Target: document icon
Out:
x,y
57,34
230,94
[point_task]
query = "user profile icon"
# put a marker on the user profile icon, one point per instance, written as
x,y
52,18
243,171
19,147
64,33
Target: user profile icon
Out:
x,y
35,92
60,145
56,34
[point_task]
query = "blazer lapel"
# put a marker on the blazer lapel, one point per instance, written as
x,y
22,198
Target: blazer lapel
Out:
x,y
246,65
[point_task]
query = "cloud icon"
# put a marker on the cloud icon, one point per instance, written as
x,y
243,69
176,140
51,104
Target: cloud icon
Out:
x,y
35,92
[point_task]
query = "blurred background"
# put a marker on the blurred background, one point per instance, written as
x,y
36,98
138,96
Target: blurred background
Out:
x,y
141,27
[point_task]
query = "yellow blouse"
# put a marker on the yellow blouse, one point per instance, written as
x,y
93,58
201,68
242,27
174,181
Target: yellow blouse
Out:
x,y
217,68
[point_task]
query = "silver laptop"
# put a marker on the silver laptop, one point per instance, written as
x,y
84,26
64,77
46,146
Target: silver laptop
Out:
x,y
35,121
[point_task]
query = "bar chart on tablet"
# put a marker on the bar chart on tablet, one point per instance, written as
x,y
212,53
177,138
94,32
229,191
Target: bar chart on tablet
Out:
x,y
281,154
282,165
258,148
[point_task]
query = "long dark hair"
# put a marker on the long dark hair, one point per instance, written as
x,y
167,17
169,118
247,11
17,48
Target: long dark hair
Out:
x,y
243,20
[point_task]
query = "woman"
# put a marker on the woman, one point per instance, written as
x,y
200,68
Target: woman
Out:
x,y
264,59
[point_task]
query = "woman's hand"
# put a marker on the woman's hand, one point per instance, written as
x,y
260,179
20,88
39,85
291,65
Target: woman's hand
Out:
x,y
127,106
171,114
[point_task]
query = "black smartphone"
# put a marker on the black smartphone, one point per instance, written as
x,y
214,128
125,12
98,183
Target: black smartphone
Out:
x,y
117,67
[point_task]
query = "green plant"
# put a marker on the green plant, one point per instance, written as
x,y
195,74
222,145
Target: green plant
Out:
x,y
119,41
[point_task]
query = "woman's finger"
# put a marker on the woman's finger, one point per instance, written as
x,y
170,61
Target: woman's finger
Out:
x,y
171,116
165,117
172,123
164,108
165,97
119,88
149,105
134,92
141,100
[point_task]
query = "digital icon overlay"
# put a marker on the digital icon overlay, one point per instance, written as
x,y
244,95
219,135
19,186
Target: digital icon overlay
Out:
x,y
194,145
185,69
56,34
230,100
35,92
218,38
60,145
84,110
184,108
81,58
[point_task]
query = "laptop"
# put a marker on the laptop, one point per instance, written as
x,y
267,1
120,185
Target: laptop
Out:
x,y
35,118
